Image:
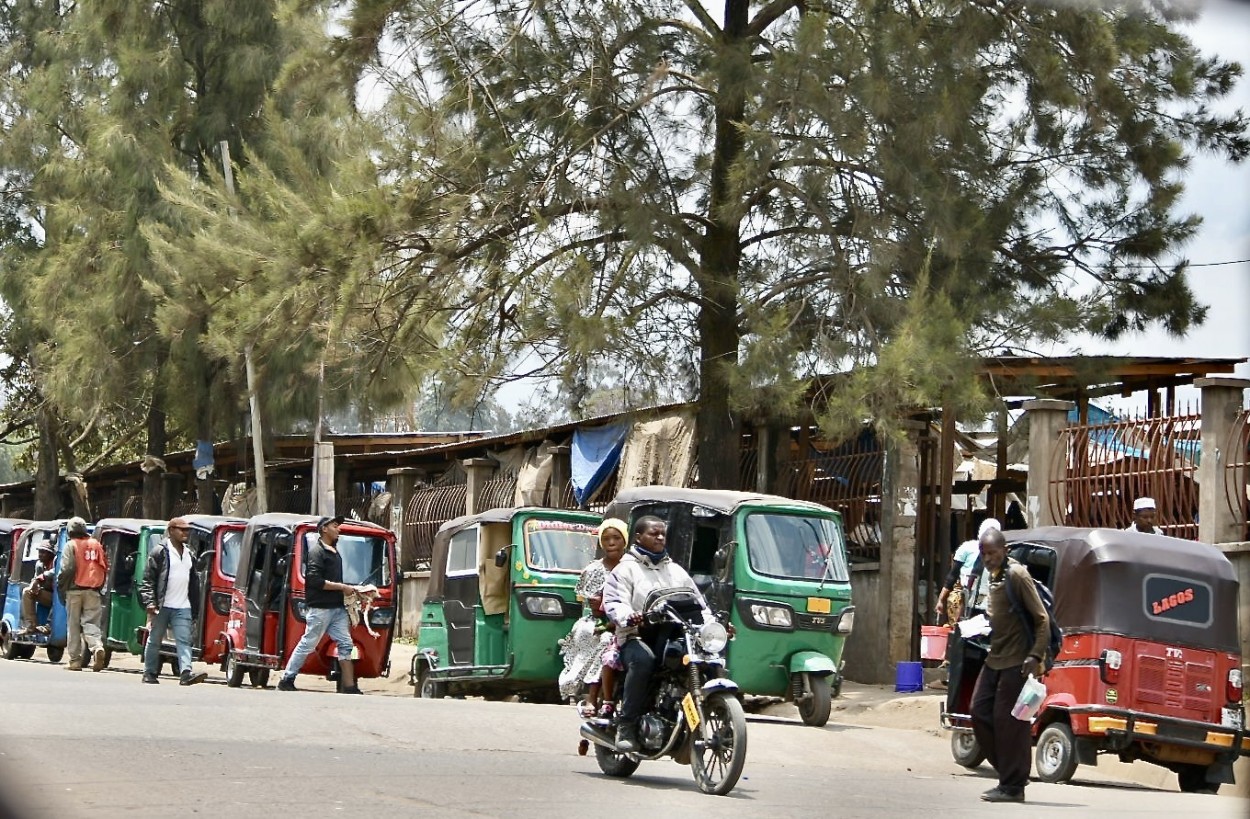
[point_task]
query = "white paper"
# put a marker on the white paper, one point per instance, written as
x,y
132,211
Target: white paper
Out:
x,y
974,626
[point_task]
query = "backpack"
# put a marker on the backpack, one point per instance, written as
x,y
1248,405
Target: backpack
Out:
x,y
1055,644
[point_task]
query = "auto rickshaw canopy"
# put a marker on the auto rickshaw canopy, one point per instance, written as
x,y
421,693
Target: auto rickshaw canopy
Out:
x,y
442,541
719,500
1134,584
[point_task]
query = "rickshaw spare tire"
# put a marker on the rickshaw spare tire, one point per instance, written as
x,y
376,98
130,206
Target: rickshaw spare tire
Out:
x,y
1193,779
966,750
1055,759
614,764
815,709
427,687
55,653
234,671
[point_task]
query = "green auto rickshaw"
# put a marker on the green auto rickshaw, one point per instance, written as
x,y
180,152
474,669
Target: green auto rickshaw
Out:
x,y
126,543
501,596
778,567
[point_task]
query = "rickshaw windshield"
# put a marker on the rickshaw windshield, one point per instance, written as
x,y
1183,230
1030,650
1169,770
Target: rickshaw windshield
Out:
x,y
559,545
231,543
798,547
366,560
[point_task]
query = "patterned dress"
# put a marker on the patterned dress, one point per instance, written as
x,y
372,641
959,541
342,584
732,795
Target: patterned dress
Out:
x,y
589,645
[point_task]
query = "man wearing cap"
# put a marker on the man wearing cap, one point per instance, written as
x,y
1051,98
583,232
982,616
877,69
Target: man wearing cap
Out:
x,y
171,594
39,592
323,598
1144,517
84,567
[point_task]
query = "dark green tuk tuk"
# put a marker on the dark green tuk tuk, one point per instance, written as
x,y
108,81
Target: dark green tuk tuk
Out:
x,y
499,601
779,568
126,542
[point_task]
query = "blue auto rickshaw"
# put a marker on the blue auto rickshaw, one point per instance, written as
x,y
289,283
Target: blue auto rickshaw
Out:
x,y
51,621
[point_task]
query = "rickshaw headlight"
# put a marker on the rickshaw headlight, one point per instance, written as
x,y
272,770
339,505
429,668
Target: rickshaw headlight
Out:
x,y
775,616
713,637
1109,666
544,606
381,617
847,621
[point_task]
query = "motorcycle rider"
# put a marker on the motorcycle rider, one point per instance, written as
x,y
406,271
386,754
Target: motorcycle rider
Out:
x,y
643,568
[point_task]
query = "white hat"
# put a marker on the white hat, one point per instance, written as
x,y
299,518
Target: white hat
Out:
x,y
1143,503
988,524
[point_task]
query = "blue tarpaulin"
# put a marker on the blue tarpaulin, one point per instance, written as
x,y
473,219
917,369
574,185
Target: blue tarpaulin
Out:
x,y
596,452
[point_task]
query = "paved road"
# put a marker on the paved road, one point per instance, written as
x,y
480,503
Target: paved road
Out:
x,y
103,745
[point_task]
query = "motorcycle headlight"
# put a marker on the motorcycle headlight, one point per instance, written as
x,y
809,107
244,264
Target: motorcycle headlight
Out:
x,y
713,637
776,616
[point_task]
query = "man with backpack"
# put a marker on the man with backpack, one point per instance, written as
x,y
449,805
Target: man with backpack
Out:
x,y
1019,639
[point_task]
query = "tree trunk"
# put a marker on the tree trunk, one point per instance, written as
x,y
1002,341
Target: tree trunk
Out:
x,y
47,470
719,262
154,466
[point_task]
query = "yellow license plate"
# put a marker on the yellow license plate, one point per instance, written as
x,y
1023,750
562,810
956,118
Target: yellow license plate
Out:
x,y
692,713
818,605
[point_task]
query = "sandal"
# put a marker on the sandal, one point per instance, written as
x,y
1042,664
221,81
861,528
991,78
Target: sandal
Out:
x,y
585,709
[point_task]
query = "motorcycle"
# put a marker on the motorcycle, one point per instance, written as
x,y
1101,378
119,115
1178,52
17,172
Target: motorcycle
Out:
x,y
694,714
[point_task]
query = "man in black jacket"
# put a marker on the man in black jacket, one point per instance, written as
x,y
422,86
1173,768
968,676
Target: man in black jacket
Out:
x,y
323,596
171,593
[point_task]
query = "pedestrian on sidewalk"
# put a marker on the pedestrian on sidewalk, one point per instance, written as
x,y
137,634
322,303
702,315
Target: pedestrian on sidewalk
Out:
x,y
1006,741
84,568
171,594
324,588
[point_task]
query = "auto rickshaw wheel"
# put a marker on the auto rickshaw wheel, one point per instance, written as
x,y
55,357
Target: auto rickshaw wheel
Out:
x,y
55,653
234,671
259,677
8,646
966,750
1193,779
614,764
1056,753
427,687
815,709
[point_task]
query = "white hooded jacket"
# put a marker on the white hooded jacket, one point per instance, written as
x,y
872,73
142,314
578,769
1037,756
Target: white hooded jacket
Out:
x,y
636,577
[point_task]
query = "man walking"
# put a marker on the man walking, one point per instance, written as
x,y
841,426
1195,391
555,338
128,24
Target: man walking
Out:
x,y
84,568
171,593
1144,513
1004,739
323,581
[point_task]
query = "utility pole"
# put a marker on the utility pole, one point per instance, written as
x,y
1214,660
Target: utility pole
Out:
x,y
253,399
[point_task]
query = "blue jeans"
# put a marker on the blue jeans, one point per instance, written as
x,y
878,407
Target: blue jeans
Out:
x,y
180,620
320,621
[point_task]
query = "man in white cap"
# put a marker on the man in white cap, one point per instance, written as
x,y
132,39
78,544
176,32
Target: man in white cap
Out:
x,y
1144,517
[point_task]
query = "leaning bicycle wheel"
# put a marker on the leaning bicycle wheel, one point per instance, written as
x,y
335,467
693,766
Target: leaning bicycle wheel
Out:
x,y
717,761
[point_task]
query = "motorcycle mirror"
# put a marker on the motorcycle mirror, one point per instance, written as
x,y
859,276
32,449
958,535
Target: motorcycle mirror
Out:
x,y
501,557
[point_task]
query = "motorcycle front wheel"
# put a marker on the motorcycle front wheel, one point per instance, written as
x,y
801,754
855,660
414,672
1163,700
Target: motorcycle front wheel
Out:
x,y
717,762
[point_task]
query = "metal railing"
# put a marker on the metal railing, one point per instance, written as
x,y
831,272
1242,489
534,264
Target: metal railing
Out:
x,y
1237,472
427,510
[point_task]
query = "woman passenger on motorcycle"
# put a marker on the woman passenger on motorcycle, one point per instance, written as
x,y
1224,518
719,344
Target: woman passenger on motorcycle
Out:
x,y
590,649
644,568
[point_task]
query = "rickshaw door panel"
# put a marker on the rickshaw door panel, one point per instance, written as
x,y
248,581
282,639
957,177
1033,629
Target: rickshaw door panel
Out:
x,y
461,595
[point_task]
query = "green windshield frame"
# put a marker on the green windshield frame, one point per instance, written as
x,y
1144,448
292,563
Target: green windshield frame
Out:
x,y
796,546
561,546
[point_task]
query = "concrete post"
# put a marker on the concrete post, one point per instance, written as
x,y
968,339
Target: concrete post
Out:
x,y
402,484
478,472
899,511
1221,401
561,473
1047,418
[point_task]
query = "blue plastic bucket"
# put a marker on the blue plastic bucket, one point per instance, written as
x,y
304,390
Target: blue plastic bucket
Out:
x,y
909,677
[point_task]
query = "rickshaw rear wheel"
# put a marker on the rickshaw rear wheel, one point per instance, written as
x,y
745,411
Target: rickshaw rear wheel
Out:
x,y
1056,753
815,709
614,764
966,750
234,671
7,646
1193,779
427,687
55,653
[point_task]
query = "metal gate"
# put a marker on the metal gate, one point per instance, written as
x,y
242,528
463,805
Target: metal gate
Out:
x,y
1237,472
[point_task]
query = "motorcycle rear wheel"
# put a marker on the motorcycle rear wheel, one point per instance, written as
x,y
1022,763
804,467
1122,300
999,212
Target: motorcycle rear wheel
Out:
x,y
718,764
614,764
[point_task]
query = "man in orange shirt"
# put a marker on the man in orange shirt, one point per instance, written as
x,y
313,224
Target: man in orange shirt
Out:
x,y
84,568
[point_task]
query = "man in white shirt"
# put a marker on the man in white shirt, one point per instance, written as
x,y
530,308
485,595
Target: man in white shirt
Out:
x,y
171,594
1144,517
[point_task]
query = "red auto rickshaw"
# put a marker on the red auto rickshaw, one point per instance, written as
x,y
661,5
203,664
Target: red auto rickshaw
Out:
x,y
1151,664
267,613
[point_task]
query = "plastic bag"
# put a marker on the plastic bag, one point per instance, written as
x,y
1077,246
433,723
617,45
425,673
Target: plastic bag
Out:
x,y
1030,700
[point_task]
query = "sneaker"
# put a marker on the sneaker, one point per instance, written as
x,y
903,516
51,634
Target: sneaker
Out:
x,y
150,679
353,690
627,738
192,679
287,684
1000,795
98,659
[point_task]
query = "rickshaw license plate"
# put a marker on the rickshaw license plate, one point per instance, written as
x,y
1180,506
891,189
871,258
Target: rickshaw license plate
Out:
x,y
818,605
692,713
1230,718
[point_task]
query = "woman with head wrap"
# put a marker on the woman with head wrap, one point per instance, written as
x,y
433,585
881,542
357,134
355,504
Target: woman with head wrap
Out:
x,y
590,650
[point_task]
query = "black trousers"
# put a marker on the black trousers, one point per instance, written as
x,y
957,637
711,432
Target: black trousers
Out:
x,y
639,662
1006,741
